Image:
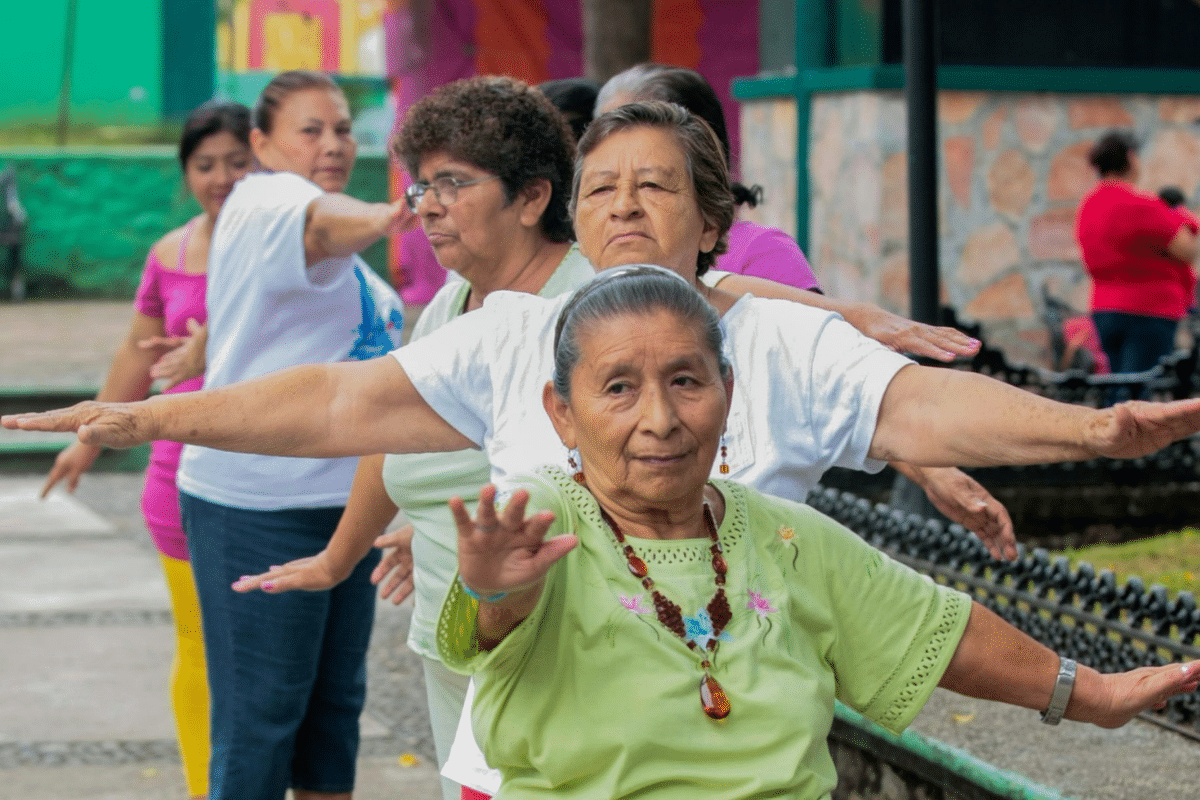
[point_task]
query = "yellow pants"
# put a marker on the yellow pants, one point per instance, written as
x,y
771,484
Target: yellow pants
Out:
x,y
189,685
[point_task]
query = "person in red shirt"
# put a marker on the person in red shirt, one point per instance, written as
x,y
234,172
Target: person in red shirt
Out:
x,y
1138,252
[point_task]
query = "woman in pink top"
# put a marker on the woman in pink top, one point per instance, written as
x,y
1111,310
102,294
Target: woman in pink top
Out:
x,y
214,152
1138,252
753,249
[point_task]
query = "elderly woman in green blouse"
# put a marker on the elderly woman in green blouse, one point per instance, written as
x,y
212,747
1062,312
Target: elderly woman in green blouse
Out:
x,y
648,632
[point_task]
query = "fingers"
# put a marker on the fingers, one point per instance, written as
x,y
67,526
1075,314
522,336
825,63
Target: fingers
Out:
x,y
151,342
943,344
401,537
397,587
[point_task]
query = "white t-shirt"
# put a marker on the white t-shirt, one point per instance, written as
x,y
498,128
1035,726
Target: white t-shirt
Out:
x,y
423,483
267,311
807,388
807,392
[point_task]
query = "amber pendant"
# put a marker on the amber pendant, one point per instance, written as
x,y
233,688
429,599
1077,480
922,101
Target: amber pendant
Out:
x,y
713,698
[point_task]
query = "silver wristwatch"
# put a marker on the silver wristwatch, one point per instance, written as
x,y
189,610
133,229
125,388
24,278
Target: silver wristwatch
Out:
x,y
1062,692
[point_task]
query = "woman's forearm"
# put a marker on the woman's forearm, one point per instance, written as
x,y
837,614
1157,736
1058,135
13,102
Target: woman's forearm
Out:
x,y
339,225
128,376
366,516
938,417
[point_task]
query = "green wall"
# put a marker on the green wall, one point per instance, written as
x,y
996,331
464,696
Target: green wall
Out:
x,y
93,215
117,74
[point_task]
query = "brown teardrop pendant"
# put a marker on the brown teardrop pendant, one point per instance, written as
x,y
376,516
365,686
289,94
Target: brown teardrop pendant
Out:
x,y
637,566
713,698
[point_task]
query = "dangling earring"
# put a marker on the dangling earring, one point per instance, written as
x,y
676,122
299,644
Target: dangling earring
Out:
x,y
576,471
724,456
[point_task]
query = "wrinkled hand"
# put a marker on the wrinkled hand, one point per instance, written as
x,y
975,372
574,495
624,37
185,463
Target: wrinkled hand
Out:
x,y
70,464
394,573
312,574
906,336
101,424
1137,428
509,552
1126,694
964,500
184,358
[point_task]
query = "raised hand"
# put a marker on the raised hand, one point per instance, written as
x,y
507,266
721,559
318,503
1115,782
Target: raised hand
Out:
x,y
505,553
1137,428
1123,695
102,424
906,336
394,573
312,574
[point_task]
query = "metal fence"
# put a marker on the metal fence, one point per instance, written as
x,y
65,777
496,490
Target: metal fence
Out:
x,y
1077,612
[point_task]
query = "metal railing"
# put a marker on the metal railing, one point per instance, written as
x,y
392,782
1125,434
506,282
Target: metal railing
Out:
x,y
1077,612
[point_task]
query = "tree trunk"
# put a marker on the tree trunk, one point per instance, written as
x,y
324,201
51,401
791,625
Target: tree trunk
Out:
x,y
616,36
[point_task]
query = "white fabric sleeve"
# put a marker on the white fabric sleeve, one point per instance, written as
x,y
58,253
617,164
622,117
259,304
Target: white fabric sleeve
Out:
x,y
273,211
451,370
713,276
849,375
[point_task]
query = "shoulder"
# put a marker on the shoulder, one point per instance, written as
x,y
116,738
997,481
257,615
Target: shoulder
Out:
x,y
166,250
526,309
271,189
444,307
786,319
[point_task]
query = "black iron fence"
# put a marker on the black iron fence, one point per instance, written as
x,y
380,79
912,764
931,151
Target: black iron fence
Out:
x,y
1077,612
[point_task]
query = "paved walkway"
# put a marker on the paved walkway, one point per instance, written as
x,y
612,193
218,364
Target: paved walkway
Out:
x,y
85,643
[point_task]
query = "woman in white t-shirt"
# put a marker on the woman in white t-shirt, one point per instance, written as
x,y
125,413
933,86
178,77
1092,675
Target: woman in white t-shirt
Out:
x,y
288,675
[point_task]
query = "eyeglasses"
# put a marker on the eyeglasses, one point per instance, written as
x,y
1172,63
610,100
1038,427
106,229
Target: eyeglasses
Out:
x,y
445,189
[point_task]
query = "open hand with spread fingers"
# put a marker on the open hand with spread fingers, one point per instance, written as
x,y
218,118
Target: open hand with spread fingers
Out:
x,y
506,554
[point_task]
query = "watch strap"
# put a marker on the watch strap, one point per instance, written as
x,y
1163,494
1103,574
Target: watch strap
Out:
x,y
1062,692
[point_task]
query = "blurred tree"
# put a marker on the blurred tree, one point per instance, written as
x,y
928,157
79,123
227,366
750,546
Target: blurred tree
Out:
x,y
616,35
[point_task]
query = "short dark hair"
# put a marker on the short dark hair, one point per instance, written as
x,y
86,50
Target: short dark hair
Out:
x,y
636,289
283,85
501,125
1172,196
1110,154
687,88
706,164
215,116
575,98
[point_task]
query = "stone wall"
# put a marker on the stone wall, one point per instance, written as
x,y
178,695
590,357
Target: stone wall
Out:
x,y
93,215
1013,168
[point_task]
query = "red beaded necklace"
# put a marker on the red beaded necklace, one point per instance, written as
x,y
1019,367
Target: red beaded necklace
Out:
x,y
713,699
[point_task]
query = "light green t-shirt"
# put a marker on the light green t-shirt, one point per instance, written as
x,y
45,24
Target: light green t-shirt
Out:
x,y
591,697
423,483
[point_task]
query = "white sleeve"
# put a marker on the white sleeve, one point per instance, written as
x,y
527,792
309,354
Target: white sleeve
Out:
x,y
849,375
450,369
466,764
712,277
268,215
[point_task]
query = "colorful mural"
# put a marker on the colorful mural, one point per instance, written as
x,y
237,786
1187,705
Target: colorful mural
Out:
x,y
341,36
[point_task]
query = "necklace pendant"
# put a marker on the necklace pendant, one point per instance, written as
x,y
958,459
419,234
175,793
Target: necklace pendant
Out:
x,y
713,699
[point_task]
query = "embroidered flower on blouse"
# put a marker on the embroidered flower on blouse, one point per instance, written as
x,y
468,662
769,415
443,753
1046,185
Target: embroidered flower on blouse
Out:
x,y
634,603
785,533
760,605
699,629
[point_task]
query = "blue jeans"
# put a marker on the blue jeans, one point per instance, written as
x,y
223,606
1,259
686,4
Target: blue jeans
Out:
x,y
1132,342
287,672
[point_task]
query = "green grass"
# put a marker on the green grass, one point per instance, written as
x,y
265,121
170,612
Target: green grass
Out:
x,y
1172,559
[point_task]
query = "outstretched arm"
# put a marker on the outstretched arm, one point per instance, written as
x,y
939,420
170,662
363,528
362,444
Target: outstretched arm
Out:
x,y
128,379
318,411
367,514
891,330
995,661
941,417
340,225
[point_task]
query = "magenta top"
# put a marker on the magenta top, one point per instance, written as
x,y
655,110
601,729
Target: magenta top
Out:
x,y
175,297
766,253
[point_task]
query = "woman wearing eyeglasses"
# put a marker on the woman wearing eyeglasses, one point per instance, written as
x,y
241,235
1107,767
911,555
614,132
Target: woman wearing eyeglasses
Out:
x,y
287,675
491,160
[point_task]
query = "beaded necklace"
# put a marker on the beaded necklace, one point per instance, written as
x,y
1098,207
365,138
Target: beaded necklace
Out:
x,y
713,699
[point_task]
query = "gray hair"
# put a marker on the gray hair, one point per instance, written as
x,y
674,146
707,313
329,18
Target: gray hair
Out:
x,y
707,168
637,289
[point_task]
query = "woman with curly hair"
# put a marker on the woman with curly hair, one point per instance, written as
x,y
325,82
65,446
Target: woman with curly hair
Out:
x,y
492,160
